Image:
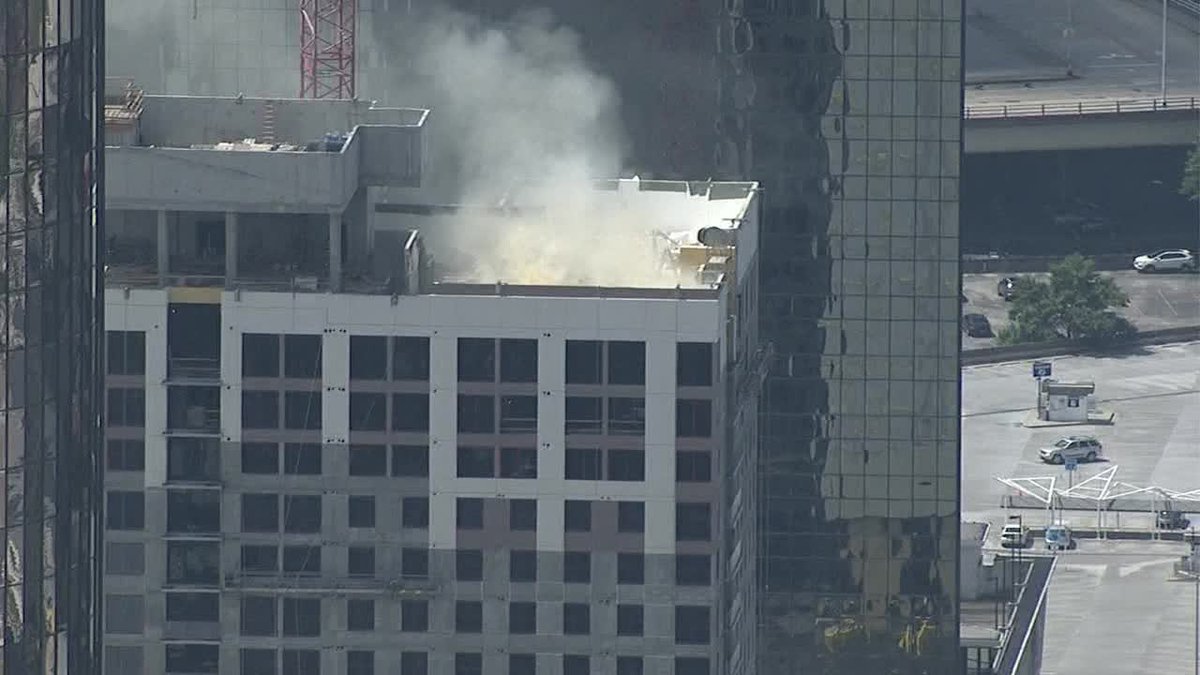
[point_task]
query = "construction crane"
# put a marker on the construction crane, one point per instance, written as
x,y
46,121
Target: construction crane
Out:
x,y
327,48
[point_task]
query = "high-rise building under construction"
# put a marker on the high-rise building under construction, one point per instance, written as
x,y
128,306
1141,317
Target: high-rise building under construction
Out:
x,y
50,224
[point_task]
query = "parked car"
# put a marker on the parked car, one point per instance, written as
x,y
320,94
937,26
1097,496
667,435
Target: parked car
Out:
x,y
1078,448
976,325
1006,287
1172,520
1015,535
1170,260
1058,538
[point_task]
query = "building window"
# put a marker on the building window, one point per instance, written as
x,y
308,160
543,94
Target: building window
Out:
x,y
584,362
414,616
259,559
302,514
522,566
193,563
368,357
522,664
691,625
631,569
627,362
414,663
302,356
302,560
126,352
468,616
193,459
630,620
693,521
254,662
410,359
518,360
518,414
302,410
124,559
626,416
631,517
368,412
125,455
577,664
692,570
260,355
583,464
468,663
260,512
362,511
584,415
518,463
522,618
260,409
522,515
693,418
414,563
301,661
302,459
192,659
124,614
360,614
692,665
126,408
125,511
629,665
626,465
410,461
693,466
577,618
468,565
368,460
259,616
301,617
360,561
360,662
476,414
476,462
469,513
414,512
410,412
577,567
125,660
260,458
193,511
577,515
476,360
693,364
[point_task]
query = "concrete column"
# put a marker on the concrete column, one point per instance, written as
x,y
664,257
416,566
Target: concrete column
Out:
x,y
231,247
335,252
164,250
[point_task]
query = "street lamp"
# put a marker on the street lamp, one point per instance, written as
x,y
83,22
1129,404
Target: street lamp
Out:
x,y
1162,75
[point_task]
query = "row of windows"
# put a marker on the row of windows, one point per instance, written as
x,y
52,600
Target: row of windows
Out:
x,y
199,511
201,659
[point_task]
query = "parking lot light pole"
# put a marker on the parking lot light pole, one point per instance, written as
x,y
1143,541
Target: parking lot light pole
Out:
x,y
1162,79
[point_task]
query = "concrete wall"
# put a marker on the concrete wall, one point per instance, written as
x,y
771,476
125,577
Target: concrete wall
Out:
x,y
1082,132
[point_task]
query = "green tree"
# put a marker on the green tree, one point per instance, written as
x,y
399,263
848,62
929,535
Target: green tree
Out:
x,y
1074,303
1190,185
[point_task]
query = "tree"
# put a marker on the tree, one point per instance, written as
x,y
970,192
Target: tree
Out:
x,y
1190,185
1075,303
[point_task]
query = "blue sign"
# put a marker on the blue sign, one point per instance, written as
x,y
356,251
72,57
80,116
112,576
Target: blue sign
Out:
x,y
1071,464
1041,369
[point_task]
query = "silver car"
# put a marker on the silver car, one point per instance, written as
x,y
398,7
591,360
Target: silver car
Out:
x,y
1078,448
1171,260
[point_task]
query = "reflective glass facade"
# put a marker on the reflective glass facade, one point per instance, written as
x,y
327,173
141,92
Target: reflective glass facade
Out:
x,y
49,333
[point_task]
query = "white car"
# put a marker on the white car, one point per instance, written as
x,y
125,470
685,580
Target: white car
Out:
x,y
1168,260
1078,448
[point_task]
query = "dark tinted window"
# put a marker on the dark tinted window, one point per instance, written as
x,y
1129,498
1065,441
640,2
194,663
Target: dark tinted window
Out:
x,y
368,411
362,511
260,355
577,618
368,460
469,513
126,408
125,455
691,625
360,561
518,463
518,414
410,461
627,363
476,462
259,616
583,464
301,617
126,353
410,412
693,522
193,607
414,663
626,465
368,357
518,360
630,620
577,567
476,360
260,409
302,356
302,459
631,568
260,559
302,514
522,618
302,560
583,415
693,364
468,616
260,458
410,358
302,409
577,515
692,570
476,414
693,418
693,466
631,517
192,658
468,565
414,563
301,662
626,416
193,562
576,664
125,511
414,616
522,566
522,514
415,512
584,362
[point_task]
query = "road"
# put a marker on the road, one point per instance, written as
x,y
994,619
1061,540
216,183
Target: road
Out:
x,y
1020,50
1111,610
1155,301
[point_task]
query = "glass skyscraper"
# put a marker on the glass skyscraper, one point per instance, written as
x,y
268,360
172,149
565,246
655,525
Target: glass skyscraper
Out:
x,y
50,318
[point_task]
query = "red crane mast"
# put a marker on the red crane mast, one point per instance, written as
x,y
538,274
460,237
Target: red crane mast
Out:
x,y
327,48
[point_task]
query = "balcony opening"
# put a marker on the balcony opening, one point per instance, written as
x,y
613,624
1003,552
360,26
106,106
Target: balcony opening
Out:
x,y
193,607
192,659
283,250
193,511
518,414
131,244
195,409
196,244
193,562
196,460
584,415
194,341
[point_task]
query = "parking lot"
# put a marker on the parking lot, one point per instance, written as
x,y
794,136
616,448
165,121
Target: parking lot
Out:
x,y
1155,301
1111,609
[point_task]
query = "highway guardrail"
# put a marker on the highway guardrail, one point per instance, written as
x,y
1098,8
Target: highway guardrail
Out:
x,y
1077,108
